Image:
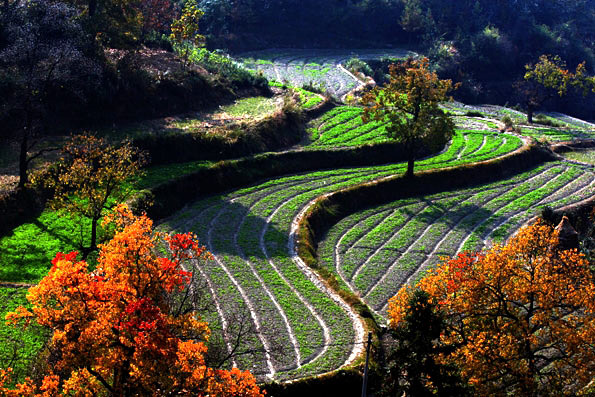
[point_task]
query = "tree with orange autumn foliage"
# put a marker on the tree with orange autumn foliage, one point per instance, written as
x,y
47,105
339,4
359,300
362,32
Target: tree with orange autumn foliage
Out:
x,y
409,105
520,316
115,329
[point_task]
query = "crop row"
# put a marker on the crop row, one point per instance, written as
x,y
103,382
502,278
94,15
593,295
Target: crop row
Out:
x,y
249,232
319,68
375,252
566,127
572,121
343,126
327,77
308,99
558,134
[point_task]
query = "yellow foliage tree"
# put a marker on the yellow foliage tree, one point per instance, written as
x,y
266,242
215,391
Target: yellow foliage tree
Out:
x,y
521,316
184,30
114,329
550,76
88,179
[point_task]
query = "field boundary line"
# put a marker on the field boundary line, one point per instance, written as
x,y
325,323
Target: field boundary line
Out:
x,y
245,297
319,282
325,329
282,313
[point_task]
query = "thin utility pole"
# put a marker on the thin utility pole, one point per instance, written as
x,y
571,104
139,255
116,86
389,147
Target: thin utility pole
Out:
x,y
365,384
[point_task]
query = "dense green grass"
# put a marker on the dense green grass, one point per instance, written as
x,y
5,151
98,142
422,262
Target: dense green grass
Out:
x,y
18,346
584,156
251,107
25,255
156,175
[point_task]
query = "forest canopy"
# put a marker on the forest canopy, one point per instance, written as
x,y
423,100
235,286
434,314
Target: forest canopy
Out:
x,y
482,43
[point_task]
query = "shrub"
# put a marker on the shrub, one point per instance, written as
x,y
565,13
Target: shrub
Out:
x,y
222,64
356,65
543,120
508,123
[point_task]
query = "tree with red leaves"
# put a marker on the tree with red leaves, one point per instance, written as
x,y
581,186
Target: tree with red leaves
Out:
x,y
114,329
157,15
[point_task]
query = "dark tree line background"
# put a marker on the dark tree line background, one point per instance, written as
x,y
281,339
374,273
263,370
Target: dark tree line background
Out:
x,y
73,64
484,44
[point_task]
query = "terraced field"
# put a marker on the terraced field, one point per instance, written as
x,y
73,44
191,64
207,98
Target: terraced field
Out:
x,y
295,326
375,252
343,127
320,68
250,233
568,129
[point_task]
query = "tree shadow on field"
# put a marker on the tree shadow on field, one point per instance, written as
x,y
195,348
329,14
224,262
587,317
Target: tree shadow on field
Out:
x,y
26,254
61,235
454,218
237,230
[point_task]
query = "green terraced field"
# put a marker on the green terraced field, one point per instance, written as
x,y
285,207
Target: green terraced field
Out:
x,y
569,128
320,68
375,252
250,233
298,326
586,156
343,127
308,99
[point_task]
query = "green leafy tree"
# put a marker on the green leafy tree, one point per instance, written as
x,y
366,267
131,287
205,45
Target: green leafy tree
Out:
x,y
409,103
413,369
88,179
550,77
185,30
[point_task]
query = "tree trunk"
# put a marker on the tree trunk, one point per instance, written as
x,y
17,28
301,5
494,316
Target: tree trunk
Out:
x,y
410,165
23,163
93,246
530,110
